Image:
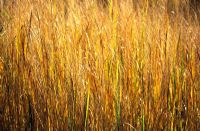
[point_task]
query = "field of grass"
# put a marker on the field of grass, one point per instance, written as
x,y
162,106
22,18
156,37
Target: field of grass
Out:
x,y
94,65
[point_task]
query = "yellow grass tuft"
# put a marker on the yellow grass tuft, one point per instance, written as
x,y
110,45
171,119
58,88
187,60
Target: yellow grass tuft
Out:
x,y
80,65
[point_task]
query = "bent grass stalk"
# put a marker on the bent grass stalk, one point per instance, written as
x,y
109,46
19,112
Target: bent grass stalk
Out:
x,y
87,105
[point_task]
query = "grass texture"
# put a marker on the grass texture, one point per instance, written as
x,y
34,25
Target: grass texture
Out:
x,y
100,65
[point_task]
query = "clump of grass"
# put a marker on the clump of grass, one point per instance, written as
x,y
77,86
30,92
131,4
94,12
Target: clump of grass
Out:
x,y
77,65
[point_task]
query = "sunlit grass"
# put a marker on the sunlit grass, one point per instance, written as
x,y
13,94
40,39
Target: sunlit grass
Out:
x,y
72,65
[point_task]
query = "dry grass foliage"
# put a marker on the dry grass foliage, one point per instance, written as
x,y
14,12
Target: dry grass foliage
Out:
x,y
77,65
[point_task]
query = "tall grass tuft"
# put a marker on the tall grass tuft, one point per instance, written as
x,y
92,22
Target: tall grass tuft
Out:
x,y
100,65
